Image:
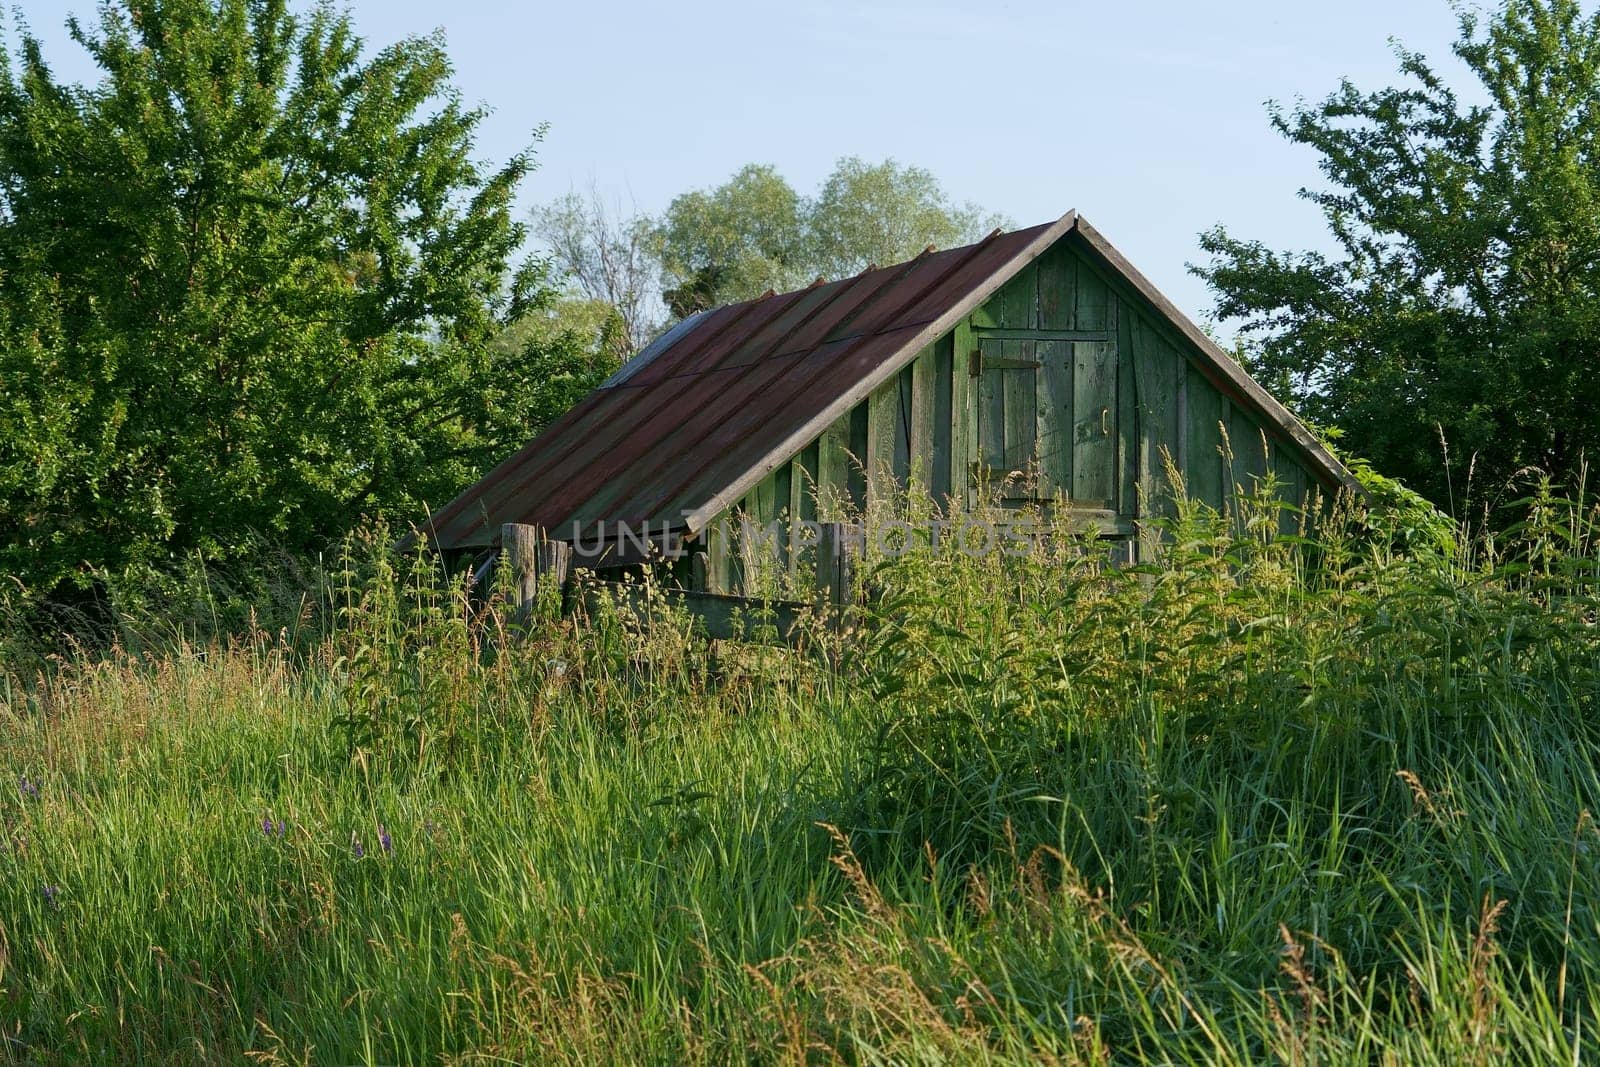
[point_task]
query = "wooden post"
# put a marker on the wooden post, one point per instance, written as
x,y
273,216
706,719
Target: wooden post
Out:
x,y
535,561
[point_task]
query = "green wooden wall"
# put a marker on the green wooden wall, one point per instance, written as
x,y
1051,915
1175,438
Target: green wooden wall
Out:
x,y
1065,387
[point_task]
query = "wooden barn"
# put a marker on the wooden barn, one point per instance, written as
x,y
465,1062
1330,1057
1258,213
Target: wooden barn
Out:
x,y
1041,350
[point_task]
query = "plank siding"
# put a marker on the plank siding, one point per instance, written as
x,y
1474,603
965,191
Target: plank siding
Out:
x,y
1249,450
1094,437
1093,302
1053,416
1058,274
1157,367
1203,469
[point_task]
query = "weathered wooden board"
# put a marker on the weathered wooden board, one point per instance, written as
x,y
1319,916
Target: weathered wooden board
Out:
x,y
1250,450
1203,462
1021,419
1094,414
883,417
963,413
943,417
1093,301
724,616
921,422
900,460
860,429
1127,417
1058,273
833,467
1157,372
1053,417
991,402
1291,490
803,484
1018,301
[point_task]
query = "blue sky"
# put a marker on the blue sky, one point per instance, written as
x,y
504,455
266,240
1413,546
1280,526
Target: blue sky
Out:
x,y
1145,115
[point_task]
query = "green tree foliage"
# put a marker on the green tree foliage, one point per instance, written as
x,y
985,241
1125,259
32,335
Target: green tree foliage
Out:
x,y
885,213
252,282
756,233
1462,310
732,242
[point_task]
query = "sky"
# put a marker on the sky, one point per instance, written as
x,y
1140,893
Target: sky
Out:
x,y
1147,116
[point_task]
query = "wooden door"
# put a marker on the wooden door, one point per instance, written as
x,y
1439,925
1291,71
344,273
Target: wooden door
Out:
x,y
1047,419
1007,374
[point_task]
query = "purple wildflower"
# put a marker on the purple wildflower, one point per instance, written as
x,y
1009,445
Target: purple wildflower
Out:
x,y
49,893
355,846
384,840
28,787
269,828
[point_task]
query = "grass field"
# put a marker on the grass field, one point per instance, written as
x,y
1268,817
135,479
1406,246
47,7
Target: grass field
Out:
x,y
1263,800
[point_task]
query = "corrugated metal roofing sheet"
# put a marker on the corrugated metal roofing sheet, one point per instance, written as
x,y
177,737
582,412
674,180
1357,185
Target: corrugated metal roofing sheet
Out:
x,y
701,415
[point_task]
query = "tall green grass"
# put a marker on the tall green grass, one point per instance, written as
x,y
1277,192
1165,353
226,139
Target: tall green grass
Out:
x,y
1298,797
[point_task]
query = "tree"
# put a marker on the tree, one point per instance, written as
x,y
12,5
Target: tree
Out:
x,y
885,213
756,233
1462,311
608,259
731,243
252,281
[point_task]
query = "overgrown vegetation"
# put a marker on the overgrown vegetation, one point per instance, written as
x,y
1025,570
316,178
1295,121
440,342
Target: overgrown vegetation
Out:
x,y
1278,795
256,285
1452,332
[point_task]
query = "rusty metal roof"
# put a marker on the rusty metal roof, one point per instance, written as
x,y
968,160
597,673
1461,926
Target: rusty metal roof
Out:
x,y
696,419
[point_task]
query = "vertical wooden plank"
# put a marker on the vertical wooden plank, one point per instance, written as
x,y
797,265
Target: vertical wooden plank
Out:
x,y
921,421
1129,431
1156,368
941,418
883,418
833,465
1018,301
901,459
1021,415
991,422
803,486
836,565
719,535
1291,490
1203,432
783,512
1058,273
1249,450
963,412
1054,411
1093,300
860,434
1094,413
